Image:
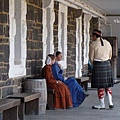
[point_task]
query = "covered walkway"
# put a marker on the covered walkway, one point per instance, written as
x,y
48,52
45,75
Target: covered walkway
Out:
x,y
85,112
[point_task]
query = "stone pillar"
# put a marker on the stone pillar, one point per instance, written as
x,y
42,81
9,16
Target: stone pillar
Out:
x,y
55,30
4,39
34,37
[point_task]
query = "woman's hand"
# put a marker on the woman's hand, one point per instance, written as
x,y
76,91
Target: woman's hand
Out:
x,y
60,66
58,81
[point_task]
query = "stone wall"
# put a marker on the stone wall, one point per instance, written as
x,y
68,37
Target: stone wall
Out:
x,y
71,42
55,30
7,86
34,46
34,37
4,39
94,24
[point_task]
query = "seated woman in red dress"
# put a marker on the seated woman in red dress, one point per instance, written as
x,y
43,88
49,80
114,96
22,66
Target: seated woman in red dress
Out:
x,y
62,97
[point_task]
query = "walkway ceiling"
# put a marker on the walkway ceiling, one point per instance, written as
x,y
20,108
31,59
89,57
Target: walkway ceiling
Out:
x,y
106,7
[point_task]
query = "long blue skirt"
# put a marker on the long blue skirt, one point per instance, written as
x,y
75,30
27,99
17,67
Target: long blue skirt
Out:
x,y
77,92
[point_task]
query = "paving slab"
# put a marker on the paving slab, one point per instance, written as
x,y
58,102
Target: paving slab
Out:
x,y
84,111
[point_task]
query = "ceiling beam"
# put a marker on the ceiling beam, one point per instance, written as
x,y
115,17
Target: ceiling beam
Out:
x,y
78,5
87,8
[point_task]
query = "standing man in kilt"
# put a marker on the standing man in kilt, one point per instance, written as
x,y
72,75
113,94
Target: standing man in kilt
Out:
x,y
100,54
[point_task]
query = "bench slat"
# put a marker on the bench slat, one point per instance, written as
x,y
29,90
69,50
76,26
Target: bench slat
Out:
x,y
25,97
8,103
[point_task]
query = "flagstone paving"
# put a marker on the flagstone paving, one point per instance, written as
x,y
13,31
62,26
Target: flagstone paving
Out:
x,y
84,111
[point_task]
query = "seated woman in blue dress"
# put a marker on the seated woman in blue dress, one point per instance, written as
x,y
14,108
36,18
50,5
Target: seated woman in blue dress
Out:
x,y
77,92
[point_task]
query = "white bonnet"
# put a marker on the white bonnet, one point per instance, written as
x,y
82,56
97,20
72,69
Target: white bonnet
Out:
x,y
48,60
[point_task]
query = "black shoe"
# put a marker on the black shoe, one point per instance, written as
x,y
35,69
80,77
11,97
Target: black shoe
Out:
x,y
116,81
69,107
86,95
111,106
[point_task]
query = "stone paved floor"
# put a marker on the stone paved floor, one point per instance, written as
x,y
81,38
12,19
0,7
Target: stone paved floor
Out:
x,y
85,112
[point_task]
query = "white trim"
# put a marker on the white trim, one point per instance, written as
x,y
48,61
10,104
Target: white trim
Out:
x,y
79,5
67,3
87,18
48,46
86,8
78,47
62,42
17,70
47,3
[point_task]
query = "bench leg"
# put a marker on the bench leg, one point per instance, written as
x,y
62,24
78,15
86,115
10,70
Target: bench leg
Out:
x,y
32,107
11,114
21,111
85,85
50,101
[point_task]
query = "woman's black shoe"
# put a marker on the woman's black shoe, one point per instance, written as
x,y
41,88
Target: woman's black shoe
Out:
x,y
87,95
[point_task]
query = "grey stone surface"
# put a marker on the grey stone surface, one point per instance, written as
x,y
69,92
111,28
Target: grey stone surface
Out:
x,y
7,90
84,111
15,89
2,83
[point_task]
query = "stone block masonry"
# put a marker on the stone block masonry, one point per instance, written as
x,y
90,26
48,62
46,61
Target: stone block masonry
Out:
x,y
7,86
71,42
4,39
34,37
55,31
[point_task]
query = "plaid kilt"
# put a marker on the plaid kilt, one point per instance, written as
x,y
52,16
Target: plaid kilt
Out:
x,y
102,75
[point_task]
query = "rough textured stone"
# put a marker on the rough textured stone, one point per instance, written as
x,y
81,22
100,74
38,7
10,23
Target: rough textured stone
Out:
x,y
19,89
1,30
55,30
15,89
4,42
6,6
3,18
2,83
71,44
7,90
34,37
1,5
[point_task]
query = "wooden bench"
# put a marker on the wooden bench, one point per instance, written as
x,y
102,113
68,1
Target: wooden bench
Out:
x,y
9,108
83,81
29,103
